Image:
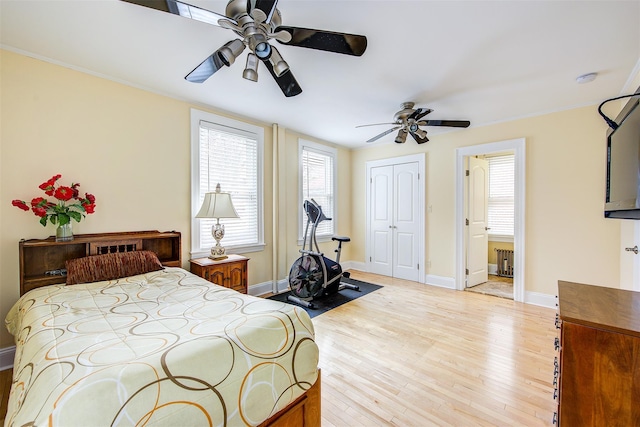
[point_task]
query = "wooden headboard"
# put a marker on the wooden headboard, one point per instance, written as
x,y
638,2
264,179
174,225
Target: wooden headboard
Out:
x,y
42,261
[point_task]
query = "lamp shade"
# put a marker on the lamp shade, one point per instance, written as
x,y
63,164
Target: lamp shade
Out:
x,y
217,205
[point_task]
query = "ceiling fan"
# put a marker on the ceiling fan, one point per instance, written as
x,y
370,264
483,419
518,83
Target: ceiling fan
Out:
x,y
256,22
408,120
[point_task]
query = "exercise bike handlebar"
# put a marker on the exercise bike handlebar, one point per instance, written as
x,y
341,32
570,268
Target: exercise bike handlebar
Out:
x,y
314,212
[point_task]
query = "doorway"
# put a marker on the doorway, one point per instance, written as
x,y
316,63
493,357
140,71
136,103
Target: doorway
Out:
x,y
517,147
395,217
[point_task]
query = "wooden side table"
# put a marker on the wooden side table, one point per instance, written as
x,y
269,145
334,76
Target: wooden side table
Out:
x,y
230,272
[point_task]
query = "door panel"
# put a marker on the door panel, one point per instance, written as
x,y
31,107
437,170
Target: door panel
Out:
x,y
406,226
478,238
381,231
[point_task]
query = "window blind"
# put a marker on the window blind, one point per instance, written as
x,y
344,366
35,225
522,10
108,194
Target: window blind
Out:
x,y
230,157
501,194
318,184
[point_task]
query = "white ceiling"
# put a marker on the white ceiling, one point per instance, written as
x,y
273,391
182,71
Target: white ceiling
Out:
x,y
483,61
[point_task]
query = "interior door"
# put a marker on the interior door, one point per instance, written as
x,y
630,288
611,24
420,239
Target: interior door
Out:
x,y
381,220
405,221
395,221
478,235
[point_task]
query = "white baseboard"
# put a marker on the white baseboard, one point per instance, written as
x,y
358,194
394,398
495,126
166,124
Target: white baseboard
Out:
x,y
543,300
353,265
493,269
7,355
440,281
267,287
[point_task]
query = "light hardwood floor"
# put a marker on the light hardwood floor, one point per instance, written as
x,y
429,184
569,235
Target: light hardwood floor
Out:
x,y
417,355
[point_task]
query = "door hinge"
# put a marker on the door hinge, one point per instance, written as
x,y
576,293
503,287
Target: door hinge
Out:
x,y
466,172
418,266
466,271
466,221
370,259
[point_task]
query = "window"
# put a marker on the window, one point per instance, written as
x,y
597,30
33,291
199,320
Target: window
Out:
x,y
227,152
501,196
317,181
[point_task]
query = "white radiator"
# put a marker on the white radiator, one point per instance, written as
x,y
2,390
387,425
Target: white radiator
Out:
x,y
505,262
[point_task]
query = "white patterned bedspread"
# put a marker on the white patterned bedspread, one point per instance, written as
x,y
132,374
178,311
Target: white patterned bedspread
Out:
x,y
162,348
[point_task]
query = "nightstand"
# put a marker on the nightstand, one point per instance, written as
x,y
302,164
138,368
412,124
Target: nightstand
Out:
x,y
230,272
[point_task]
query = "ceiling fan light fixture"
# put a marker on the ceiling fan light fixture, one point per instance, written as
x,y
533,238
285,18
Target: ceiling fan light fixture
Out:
x,y
421,133
280,66
231,50
251,69
401,137
263,50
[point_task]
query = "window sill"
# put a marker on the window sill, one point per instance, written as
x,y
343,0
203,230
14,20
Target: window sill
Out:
x,y
320,239
203,252
500,238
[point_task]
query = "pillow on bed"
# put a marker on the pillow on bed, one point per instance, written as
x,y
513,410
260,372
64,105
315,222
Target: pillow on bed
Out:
x,y
96,268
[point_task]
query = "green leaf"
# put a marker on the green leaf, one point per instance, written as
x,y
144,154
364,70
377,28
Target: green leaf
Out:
x,y
63,219
53,219
75,215
43,221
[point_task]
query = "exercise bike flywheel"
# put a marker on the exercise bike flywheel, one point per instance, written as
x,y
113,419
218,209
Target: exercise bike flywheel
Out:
x,y
306,277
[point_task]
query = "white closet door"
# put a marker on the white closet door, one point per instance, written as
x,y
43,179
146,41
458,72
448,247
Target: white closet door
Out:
x,y
395,221
381,220
405,222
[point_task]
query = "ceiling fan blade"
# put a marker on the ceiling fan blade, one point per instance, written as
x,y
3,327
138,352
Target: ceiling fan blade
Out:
x,y
182,9
348,44
206,69
420,113
451,123
287,82
377,137
267,6
376,124
418,139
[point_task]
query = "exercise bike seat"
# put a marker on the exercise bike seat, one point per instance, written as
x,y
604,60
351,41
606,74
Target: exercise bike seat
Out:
x,y
341,239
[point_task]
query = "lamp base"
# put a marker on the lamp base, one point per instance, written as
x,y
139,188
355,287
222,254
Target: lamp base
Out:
x,y
218,252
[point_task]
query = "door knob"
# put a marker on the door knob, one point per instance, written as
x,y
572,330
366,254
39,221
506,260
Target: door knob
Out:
x,y
633,249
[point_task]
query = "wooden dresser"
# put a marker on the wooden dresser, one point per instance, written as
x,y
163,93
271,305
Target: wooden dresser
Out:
x,y
230,272
598,370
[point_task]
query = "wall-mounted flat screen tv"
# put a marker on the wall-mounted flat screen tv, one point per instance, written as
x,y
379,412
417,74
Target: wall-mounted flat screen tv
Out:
x,y
623,164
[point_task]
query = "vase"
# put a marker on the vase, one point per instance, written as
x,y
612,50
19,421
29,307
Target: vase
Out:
x,y
64,232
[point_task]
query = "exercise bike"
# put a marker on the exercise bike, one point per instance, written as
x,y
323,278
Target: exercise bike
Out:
x,y
313,275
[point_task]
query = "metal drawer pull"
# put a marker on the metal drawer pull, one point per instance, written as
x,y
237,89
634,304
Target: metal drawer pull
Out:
x,y
633,249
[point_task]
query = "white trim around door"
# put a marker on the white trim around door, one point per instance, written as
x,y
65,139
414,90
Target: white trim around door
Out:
x,y
517,146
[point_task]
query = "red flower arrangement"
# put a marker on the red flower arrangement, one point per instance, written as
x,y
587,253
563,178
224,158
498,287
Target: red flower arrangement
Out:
x,y
69,203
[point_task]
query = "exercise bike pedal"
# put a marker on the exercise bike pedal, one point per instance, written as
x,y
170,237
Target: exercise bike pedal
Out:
x,y
346,274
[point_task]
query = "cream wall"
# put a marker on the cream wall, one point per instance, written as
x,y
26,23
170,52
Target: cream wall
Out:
x,y
567,237
128,147
131,148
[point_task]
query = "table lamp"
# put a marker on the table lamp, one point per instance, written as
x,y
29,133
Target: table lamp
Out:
x,y
217,205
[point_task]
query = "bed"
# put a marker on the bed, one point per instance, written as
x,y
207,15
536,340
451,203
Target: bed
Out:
x,y
161,347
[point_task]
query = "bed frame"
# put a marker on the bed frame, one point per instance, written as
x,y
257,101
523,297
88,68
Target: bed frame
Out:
x,y
42,263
